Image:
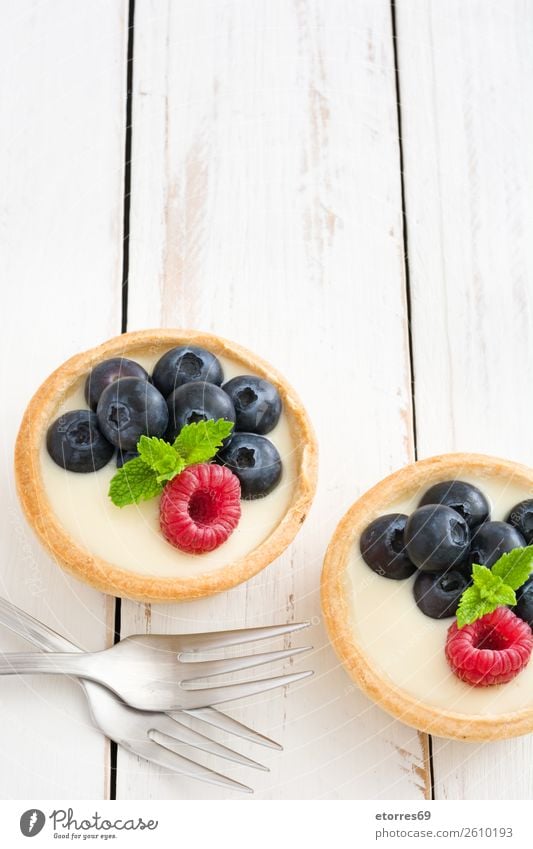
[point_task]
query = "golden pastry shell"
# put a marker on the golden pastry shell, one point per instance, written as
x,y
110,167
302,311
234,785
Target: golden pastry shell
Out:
x,y
98,572
376,684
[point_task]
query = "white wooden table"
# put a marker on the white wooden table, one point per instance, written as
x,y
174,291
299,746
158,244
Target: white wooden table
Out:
x,y
346,188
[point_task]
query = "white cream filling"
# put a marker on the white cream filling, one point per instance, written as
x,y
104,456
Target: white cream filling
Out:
x,y
408,646
129,537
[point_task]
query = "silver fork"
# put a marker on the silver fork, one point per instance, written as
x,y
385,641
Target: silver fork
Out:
x,y
158,737
160,672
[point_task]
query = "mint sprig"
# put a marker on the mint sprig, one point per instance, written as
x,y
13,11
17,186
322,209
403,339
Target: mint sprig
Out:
x,y
494,587
197,443
514,568
159,462
161,457
134,482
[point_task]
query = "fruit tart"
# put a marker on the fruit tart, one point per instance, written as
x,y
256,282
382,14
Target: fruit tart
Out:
x,y
427,593
165,465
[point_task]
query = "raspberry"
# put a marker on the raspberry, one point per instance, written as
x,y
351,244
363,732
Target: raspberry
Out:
x,y
492,650
200,508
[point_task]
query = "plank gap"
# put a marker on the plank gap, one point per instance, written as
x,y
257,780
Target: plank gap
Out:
x,y
405,240
124,305
127,166
405,237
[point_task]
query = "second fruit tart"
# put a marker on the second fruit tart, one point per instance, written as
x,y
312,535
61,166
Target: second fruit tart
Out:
x,y
426,592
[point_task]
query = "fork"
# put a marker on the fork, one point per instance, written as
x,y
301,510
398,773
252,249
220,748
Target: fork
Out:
x,y
160,672
157,737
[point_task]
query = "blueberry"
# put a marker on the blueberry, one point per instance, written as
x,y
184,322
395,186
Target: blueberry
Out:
x,y
197,402
438,595
491,540
186,364
256,401
125,457
521,518
129,408
382,547
255,461
107,372
463,497
524,606
75,442
436,537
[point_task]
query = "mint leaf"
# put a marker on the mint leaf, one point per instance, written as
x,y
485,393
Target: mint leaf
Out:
x,y
507,596
486,594
482,576
471,607
495,587
514,568
161,457
488,585
200,441
134,482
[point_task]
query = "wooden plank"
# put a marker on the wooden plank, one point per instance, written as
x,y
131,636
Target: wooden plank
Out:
x,y
62,85
266,207
466,70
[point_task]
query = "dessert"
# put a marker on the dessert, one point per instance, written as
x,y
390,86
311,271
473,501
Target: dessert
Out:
x,y
147,495
444,646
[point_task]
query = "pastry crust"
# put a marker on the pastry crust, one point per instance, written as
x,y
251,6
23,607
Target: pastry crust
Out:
x,y
97,571
376,684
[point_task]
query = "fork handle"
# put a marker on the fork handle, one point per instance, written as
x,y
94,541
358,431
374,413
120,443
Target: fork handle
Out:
x,y
36,632
29,663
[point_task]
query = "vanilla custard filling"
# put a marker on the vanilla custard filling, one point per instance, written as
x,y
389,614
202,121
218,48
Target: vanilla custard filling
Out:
x,y
129,537
408,646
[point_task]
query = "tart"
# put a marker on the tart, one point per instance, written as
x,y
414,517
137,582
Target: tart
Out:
x,y
399,656
121,550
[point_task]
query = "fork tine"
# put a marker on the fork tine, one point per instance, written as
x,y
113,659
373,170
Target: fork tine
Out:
x,y
208,668
173,727
175,744
159,754
228,692
221,639
214,717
